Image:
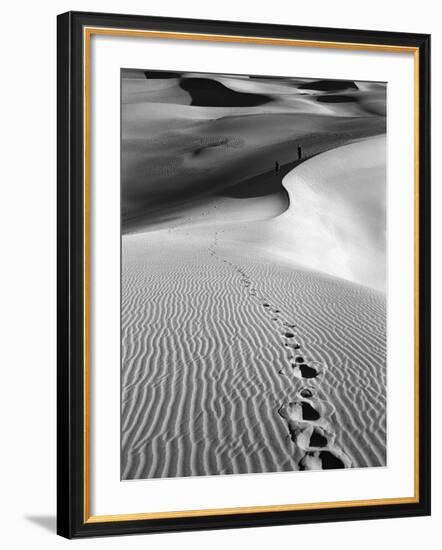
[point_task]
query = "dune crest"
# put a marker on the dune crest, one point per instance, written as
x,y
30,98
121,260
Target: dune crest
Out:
x,y
336,220
338,212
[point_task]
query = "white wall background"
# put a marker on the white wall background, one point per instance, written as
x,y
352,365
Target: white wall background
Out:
x,y
27,290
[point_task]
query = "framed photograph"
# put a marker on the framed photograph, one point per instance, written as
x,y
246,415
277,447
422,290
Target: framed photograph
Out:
x,y
243,274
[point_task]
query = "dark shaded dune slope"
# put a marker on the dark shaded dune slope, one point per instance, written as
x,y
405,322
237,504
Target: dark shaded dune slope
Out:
x,y
161,74
205,92
329,85
264,184
137,74
237,160
337,99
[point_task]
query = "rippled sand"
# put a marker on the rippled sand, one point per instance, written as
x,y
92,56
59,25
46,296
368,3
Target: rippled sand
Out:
x,y
239,359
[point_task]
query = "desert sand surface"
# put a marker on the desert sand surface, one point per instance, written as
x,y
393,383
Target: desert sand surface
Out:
x,y
254,322
186,137
253,274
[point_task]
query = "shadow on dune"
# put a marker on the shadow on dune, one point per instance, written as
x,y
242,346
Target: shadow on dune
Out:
x,y
161,75
264,184
211,93
329,85
337,99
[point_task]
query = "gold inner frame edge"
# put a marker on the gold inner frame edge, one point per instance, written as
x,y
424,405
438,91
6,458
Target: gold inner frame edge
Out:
x,y
134,33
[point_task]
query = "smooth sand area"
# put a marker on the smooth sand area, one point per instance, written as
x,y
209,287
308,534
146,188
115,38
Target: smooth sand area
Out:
x,y
253,328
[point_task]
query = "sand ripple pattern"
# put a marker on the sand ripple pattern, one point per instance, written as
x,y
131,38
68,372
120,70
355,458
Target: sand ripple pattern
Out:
x,y
210,357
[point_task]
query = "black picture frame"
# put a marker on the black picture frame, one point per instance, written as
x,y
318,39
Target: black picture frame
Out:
x,y
71,499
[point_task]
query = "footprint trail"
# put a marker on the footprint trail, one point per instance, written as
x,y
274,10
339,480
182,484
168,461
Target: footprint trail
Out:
x,y
309,419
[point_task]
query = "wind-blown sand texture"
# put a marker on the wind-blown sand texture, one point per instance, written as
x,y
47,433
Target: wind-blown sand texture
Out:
x,y
253,295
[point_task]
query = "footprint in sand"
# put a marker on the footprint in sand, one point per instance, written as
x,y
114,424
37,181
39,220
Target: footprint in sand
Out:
x,y
312,433
306,392
301,370
325,460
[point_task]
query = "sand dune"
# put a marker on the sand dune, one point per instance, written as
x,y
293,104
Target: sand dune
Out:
x,y
253,275
327,214
336,221
186,136
227,344
209,348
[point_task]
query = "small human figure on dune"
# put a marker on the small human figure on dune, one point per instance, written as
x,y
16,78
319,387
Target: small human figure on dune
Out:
x,y
277,167
299,152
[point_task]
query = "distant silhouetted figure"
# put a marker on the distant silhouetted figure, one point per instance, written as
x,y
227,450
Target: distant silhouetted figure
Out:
x,y
299,152
277,167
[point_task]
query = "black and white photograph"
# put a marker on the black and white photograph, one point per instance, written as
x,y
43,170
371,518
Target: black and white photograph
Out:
x,y
253,274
